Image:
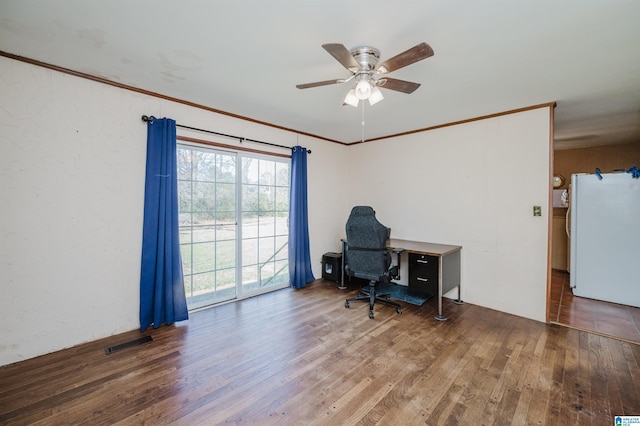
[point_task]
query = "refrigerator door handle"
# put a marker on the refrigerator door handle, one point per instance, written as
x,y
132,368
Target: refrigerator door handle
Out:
x,y
566,221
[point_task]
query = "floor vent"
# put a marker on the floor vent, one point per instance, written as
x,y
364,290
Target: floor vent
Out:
x,y
126,345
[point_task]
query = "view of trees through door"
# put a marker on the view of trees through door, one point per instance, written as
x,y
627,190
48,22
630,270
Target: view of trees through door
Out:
x,y
233,210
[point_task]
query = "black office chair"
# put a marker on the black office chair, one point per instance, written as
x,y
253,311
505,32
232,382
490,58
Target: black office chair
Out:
x,y
368,257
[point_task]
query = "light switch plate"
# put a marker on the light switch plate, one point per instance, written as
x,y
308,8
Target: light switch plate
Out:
x,y
537,210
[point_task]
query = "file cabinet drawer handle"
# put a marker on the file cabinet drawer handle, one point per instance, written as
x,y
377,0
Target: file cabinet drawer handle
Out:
x,y
422,261
422,279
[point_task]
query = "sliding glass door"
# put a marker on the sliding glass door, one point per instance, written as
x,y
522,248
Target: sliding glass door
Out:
x,y
233,223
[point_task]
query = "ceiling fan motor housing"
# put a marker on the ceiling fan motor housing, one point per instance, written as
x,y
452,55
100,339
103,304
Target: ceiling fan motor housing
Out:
x,y
367,57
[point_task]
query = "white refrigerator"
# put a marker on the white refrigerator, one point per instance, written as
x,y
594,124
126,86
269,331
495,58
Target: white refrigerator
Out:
x,y
605,237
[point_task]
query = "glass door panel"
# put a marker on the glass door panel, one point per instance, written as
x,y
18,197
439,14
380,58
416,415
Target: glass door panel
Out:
x,y
208,229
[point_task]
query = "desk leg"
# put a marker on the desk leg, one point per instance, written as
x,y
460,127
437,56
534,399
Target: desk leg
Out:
x,y
458,301
342,286
439,315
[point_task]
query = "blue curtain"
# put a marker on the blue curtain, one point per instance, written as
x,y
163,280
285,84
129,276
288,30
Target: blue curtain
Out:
x,y
162,297
299,257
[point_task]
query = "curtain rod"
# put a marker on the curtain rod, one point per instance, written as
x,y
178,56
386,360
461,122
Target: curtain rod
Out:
x,y
147,118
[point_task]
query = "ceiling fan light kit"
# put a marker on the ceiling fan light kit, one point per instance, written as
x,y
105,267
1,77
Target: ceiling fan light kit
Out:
x,y
376,96
361,62
363,88
351,98
354,96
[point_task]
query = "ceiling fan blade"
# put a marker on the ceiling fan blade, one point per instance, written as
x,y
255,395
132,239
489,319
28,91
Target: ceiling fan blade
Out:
x,y
319,83
416,53
342,55
397,85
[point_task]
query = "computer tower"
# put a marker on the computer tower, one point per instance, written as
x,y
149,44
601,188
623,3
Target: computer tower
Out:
x,y
332,267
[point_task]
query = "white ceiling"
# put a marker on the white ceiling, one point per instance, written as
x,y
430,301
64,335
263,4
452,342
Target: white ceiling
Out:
x,y
245,57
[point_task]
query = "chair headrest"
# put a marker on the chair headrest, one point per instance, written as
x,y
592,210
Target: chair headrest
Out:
x,y
364,230
362,211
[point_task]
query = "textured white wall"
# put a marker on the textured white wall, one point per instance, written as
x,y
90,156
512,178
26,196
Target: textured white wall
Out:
x,y
72,164
472,185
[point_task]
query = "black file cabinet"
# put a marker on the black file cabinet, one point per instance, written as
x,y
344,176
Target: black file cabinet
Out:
x,y
423,275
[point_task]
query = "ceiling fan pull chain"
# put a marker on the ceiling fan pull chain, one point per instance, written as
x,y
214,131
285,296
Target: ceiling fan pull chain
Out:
x,y
363,121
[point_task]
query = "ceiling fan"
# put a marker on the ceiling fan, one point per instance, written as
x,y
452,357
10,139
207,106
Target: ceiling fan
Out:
x,y
362,63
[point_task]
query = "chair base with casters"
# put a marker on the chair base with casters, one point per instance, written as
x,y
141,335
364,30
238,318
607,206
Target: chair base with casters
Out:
x,y
372,296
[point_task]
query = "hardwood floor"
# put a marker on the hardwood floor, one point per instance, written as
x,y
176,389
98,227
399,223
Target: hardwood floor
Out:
x,y
609,319
300,358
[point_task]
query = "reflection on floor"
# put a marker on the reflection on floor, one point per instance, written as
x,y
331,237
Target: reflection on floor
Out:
x,y
604,318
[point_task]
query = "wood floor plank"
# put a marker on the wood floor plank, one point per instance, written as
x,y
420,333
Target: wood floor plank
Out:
x,y
555,406
571,395
299,357
526,384
539,406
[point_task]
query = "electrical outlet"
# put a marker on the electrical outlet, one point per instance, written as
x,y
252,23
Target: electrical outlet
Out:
x,y
537,210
